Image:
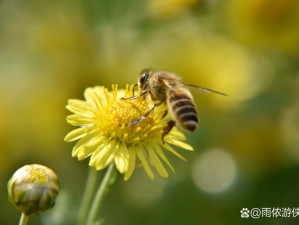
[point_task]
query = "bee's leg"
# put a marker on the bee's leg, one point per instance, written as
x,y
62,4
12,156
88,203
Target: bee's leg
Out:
x,y
138,120
164,114
136,96
167,129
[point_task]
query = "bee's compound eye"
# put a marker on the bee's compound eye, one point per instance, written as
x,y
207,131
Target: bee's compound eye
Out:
x,y
144,77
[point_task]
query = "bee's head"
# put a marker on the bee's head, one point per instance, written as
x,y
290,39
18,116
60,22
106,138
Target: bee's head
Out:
x,y
143,78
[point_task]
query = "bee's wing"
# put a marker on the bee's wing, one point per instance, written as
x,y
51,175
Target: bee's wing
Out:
x,y
204,89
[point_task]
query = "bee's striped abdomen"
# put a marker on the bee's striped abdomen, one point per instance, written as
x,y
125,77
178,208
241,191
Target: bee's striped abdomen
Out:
x,y
182,108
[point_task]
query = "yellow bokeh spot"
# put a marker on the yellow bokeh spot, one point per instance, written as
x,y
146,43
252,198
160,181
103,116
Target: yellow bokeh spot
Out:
x,y
265,23
170,8
270,12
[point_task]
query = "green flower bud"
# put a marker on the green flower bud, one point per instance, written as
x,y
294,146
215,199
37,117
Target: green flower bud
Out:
x,y
33,189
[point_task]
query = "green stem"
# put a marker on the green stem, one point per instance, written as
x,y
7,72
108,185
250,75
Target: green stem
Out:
x,y
87,196
100,195
24,219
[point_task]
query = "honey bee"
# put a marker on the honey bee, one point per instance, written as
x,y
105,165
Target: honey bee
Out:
x,y
167,88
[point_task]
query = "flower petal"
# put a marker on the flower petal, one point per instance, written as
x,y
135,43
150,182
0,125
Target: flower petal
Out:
x,y
156,161
175,134
179,144
91,147
132,163
169,148
79,107
99,100
162,156
89,95
76,134
78,120
99,158
144,161
122,158
83,142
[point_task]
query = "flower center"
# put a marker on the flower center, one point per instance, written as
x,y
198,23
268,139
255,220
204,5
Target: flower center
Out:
x,y
121,112
37,176
124,111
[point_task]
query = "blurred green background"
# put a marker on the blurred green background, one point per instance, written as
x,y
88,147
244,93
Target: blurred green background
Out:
x,y
246,147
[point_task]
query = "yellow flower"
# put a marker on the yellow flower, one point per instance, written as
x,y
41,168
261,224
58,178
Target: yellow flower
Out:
x,y
105,136
33,189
